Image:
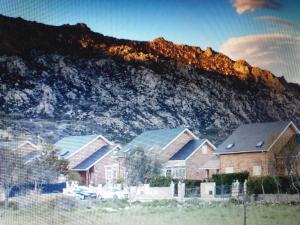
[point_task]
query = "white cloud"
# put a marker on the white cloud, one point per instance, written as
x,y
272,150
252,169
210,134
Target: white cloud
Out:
x,y
276,20
243,6
279,53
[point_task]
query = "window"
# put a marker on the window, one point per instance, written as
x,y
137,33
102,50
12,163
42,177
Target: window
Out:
x,y
204,149
259,144
64,154
229,170
176,172
230,146
168,172
111,174
256,170
207,174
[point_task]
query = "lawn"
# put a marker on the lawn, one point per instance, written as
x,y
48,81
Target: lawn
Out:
x,y
68,211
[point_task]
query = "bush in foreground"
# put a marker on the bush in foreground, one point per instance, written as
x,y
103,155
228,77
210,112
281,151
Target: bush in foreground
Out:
x,y
229,178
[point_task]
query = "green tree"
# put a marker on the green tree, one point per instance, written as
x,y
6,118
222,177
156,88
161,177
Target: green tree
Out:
x,y
141,165
46,166
12,171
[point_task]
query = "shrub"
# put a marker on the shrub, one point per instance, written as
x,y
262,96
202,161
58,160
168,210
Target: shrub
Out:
x,y
11,205
160,181
192,183
271,185
258,185
229,178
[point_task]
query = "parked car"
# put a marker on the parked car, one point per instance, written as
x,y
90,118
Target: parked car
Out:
x,y
84,193
113,194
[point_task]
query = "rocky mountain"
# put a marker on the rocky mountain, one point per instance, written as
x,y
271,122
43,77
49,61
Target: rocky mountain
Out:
x,y
60,80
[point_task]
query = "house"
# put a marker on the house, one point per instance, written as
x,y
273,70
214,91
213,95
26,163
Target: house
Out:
x,y
257,147
26,148
88,156
181,151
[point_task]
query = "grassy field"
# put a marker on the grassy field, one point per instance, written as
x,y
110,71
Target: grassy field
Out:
x,y
67,211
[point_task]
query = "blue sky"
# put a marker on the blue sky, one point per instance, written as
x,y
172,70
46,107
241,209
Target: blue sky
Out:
x,y
264,32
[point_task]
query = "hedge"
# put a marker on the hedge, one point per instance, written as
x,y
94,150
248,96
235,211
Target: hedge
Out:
x,y
192,183
273,185
229,178
160,181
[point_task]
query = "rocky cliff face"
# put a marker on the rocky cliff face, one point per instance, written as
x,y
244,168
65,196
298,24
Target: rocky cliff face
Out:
x,y
85,82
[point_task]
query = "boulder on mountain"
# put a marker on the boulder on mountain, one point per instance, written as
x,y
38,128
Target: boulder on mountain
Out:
x,y
208,51
257,72
242,67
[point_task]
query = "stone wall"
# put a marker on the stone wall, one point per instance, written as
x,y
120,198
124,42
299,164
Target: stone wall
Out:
x,y
276,198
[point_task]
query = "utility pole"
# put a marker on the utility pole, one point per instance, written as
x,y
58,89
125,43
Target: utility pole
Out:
x,y
245,211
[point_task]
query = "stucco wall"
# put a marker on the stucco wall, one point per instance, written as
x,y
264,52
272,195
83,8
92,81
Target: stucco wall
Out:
x,y
145,192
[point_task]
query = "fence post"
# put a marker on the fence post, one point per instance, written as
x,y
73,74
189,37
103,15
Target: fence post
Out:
x,y
172,186
245,187
235,189
181,190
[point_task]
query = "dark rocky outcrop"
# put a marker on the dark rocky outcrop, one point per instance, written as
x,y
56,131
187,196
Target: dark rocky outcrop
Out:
x,y
93,83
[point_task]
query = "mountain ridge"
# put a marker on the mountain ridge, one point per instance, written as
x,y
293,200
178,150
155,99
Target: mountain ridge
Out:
x,y
80,38
121,87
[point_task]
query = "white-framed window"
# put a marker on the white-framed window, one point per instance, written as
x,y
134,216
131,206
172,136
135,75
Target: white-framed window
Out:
x,y
175,172
111,174
168,172
204,149
229,169
178,172
256,171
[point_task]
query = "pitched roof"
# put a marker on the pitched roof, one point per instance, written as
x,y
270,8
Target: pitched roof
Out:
x,y
71,144
253,137
298,138
187,149
212,163
11,145
154,139
15,143
27,153
94,158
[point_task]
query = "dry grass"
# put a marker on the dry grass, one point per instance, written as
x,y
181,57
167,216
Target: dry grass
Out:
x,y
58,210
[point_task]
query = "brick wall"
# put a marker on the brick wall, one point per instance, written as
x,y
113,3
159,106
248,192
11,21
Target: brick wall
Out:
x,y
26,149
195,161
278,147
84,153
98,175
245,161
176,145
278,167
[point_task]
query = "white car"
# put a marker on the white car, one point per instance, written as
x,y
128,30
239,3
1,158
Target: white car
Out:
x,y
113,194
